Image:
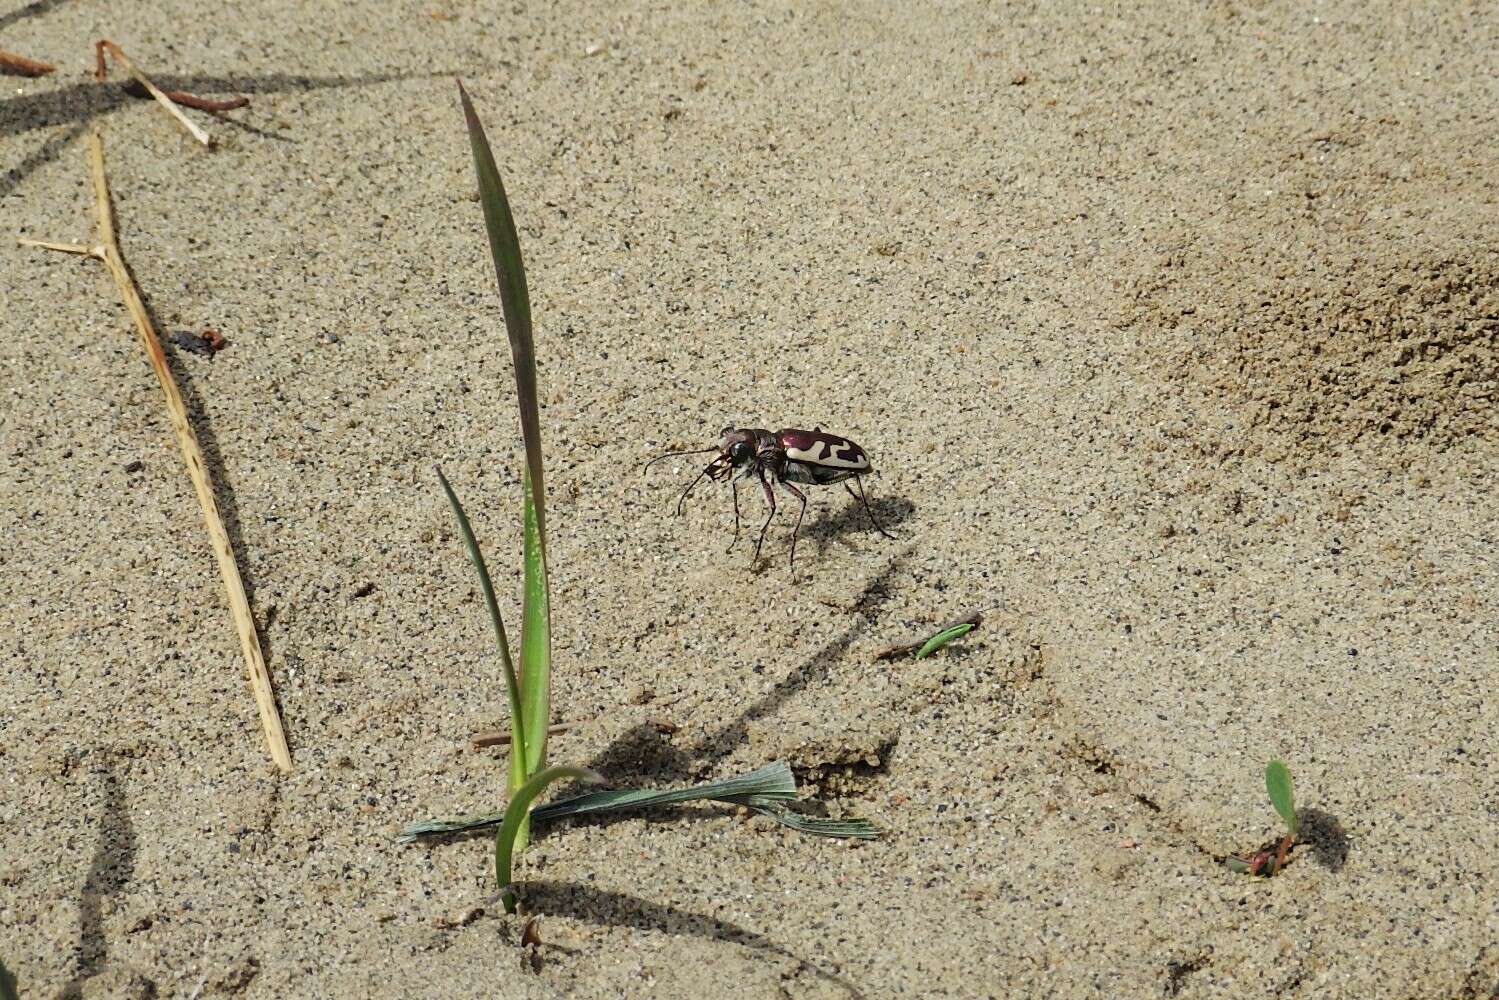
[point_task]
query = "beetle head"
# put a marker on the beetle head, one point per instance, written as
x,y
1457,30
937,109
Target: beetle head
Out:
x,y
738,454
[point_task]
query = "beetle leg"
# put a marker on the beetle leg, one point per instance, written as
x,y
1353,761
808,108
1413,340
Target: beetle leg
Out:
x,y
796,530
734,487
770,498
867,509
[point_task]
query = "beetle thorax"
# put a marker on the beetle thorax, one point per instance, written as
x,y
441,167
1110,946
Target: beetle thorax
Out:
x,y
742,447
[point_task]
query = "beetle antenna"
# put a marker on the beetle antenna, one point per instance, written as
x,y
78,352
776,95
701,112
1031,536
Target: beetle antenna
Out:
x,y
693,485
677,454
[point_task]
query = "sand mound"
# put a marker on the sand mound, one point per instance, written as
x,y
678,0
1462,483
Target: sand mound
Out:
x,y
1281,350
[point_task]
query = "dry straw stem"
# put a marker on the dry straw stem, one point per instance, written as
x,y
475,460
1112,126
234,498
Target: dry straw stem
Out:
x,y
497,738
108,251
12,63
104,45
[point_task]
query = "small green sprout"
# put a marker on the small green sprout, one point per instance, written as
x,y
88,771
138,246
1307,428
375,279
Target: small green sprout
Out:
x,y
1271,860
924,646
942,638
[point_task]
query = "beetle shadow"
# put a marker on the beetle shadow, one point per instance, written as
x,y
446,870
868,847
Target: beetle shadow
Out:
x,y
1326,837
112,868
833,523
617,909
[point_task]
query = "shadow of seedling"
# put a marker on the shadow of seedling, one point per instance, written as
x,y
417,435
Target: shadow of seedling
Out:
x,y
1271,858
1325,835
616,909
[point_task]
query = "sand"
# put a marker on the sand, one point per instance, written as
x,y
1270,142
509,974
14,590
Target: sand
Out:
x,y
1172,333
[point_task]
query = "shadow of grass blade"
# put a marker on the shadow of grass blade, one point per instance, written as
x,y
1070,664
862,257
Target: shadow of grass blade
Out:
x,y
518,770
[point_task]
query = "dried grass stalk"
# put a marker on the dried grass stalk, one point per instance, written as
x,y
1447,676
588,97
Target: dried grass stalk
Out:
x,y
104,45
107,250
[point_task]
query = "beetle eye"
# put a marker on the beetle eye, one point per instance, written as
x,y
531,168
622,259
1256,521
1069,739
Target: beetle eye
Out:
x,y
740,452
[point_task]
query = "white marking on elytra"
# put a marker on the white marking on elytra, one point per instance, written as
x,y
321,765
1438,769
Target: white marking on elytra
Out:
x,y
824,454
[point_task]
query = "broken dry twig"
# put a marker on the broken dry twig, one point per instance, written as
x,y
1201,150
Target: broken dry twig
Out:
x,y
107,250
167,99
21,66
497,738
193,101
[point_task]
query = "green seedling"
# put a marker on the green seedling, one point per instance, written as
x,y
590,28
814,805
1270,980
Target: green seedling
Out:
x,y
529,689
1269,861
924,646
942,638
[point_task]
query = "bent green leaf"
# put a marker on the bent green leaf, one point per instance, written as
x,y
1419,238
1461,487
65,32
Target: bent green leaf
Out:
x,y
942,638
515,817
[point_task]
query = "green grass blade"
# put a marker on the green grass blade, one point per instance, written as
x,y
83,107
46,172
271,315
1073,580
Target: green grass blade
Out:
x,y
515,816
504,247
452,824
847,829
764,791
1278,784
942,638
771,782
536,610
536,638
512,686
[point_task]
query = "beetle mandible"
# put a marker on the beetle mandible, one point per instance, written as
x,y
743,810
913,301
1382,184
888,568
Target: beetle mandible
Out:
x,y
782,458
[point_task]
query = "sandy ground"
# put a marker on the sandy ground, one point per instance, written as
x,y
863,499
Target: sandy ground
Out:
x,y
1172,333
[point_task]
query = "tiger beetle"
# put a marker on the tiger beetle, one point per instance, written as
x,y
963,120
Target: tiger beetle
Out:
x,y
783,458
